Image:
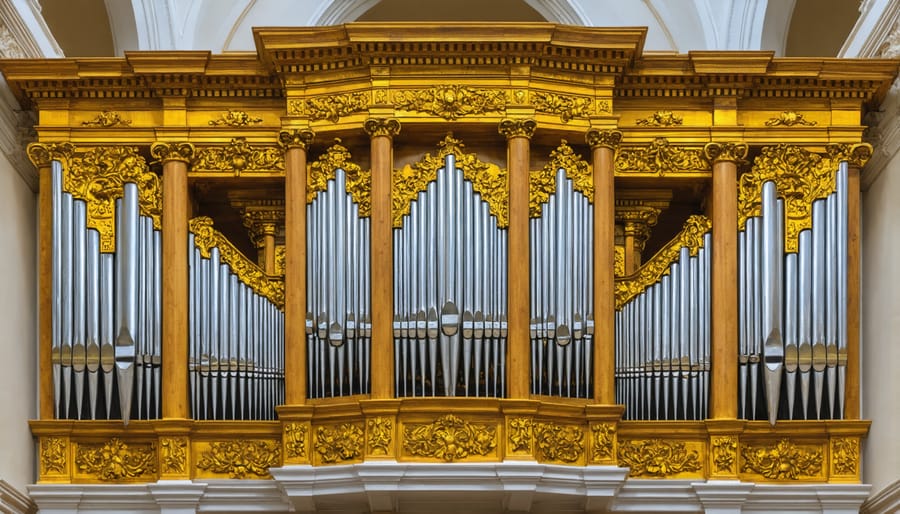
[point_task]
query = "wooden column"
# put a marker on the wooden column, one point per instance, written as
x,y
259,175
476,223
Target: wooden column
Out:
x,y
175,217
382,131
723,394
295,144
518,133
854,277
603,146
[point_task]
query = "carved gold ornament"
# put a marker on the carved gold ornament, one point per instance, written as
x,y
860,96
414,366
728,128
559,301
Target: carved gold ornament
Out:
x,y
240,458
845,456
42,154
517,127
563,443
358,181
728,152
238,157
619,261
53,455
98,176
261,223
856,154
566,106
279,259
603,138
782,461
339,442
660,119
658,458
602,447
450,102
173,451
449,438
380,430
115,460
691,236
206,238
789,119
107,119
295,440
296,138
163,152
520,434
724,452
235,119
661,158
386,127
542,183
488,180
331,108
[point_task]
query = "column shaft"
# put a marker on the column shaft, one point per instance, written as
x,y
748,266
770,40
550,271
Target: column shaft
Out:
x,y
519,284
854,276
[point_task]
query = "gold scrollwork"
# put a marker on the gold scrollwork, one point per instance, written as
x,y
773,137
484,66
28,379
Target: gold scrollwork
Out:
x,y
542,183
173,451
239,458
604,435
724,453
451,102
206,238
449,438
520,434
380,430
107,119
358,182
279,259
488,180
691,236
789,119
856,154
658,458
331,108
567,107
98,175
661,158
845,456
603,138
53,455
115,460
782,461
295,440
238,157
340,442
235,118
296,138
563,443
660,119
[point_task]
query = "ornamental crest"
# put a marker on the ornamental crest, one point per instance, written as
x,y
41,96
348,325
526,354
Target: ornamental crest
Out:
x,y
451,102
358,182
238,157
542,183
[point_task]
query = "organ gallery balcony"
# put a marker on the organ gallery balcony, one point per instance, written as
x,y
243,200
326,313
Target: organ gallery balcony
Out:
x,y
386,247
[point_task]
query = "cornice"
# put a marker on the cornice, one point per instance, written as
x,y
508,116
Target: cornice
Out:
x,y
13,501
883,502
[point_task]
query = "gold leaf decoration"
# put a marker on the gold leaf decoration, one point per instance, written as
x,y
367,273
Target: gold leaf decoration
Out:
x,y
657,458
173,451
295,440
691,236
660,119
602,447
567,107
279,259
789,119
603,138
107,119
261,223
98,177
449,438
724,151
206,238
115,460
845,455
238,157
340,442
235,118
488,180
295,138
604,107
53,455
542,183
451,102
619,262
517,127
386,127
358,181
331,108
559,442
240,458
724,451
520,434
782,461
42,154
380,430
661,158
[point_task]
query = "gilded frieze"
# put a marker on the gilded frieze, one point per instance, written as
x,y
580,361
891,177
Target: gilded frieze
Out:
x,y
783,460
450,102
107,119
380,431
566,106
555,442
660,119
54,451
603,441
449,438
237,157
542,183
656,458
115,460
341,442
845,456
173,451
520,430
724,454
240,458
661,158
331,108
789,119
358,182
235,118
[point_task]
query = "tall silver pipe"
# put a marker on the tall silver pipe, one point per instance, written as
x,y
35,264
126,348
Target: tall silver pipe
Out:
x,y
842,195
79,292
818,300
107,320
65,348
804,315
773,349
831,299
126,289
92,326
56,283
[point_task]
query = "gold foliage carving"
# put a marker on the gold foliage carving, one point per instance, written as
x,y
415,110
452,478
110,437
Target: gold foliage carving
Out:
x,y
173,451
296,138
724,453
53,455
107,119
603,138
340,442
658,458
358,182
115,460
387,127
661,158
449,438
295,440
660,119
730,152
567,107
542,183
98,176
331,108
240,458
520,434
789,119
517,127
602,447
380,430
856,155
450,102
782,461
691,236
845,456
162,152
559,442
488,180
619,262
235,118
279,259
206,238
41,154
238,157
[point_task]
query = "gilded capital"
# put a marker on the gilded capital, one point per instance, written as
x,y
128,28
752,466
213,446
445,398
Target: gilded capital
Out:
x,y
725,152
41,154
163,152
511,128
856,155
603,138
295,138
385,127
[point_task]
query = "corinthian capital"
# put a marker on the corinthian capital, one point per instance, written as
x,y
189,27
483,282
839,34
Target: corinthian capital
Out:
x,y
41,154
386,127
163,152
295,138
603,138
517,128
725,152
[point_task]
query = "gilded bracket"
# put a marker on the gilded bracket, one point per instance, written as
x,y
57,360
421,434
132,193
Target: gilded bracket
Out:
x,y
295,138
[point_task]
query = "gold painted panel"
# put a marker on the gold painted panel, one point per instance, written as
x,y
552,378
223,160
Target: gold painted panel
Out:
x,y
236,458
